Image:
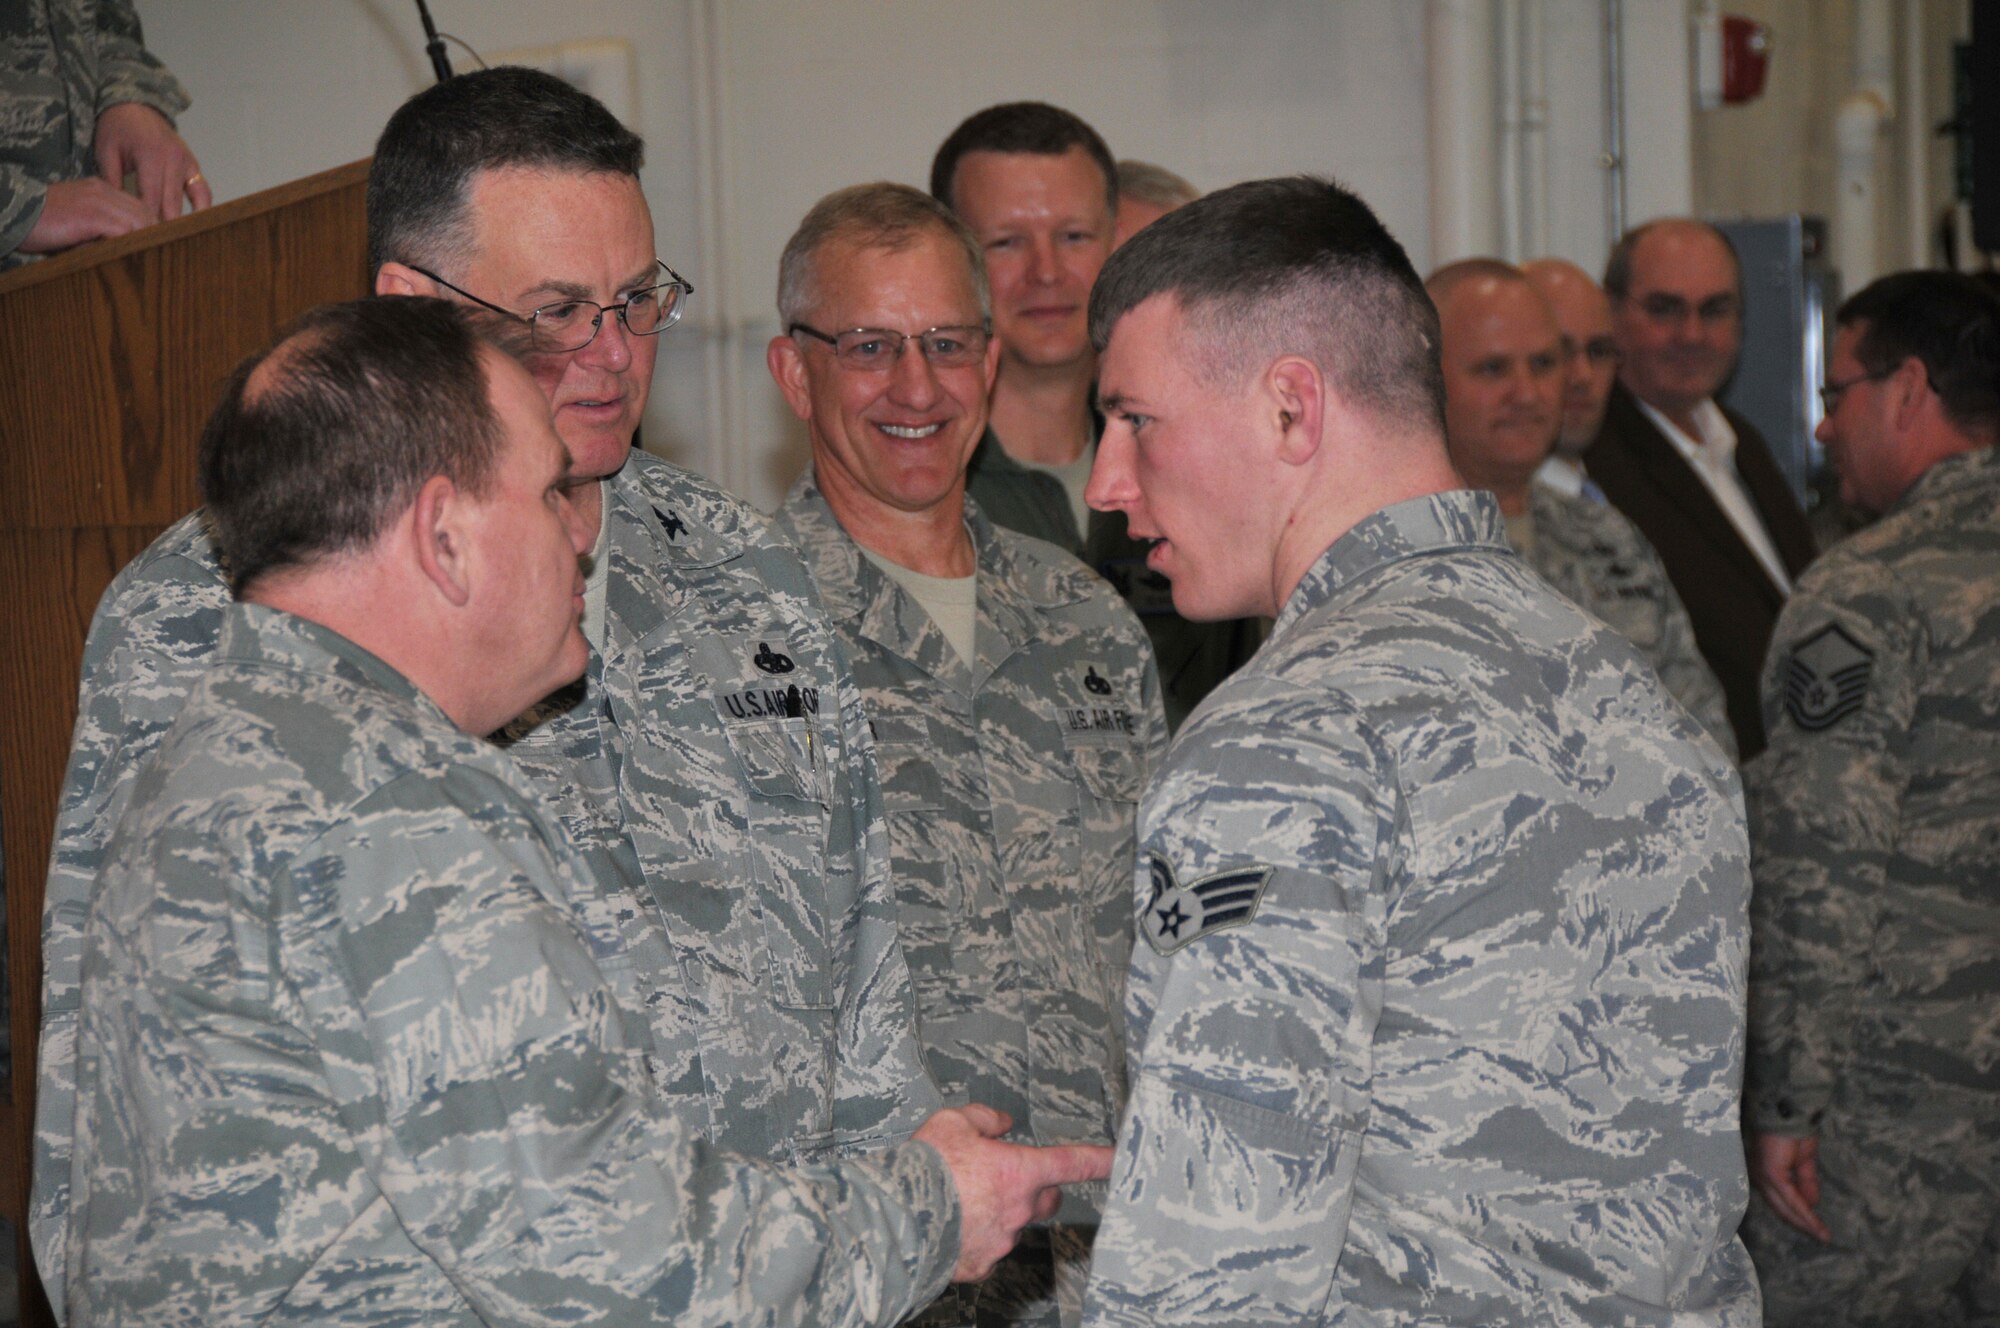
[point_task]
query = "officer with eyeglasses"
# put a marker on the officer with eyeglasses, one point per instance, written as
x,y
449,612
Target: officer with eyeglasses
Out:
x,y
1695,477
713,765
1016,706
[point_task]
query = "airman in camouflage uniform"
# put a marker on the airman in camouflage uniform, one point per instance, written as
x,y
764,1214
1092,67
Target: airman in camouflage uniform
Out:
x,y
63,64
1595,555
1437,1011
1874,1095
364,1038
1011,778
715,755
363,1044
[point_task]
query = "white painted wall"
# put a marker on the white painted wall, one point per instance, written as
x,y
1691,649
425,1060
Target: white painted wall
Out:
x,y
811,96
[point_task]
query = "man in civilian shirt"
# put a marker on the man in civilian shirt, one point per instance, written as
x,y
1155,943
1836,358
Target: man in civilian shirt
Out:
x,y
1697,479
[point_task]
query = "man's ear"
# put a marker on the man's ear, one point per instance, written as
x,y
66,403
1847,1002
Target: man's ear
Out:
x,y
398,279
440,531
787,364
1911,384
1297,400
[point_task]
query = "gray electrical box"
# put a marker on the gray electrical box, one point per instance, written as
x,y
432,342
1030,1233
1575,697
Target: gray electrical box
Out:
x,y
1788,299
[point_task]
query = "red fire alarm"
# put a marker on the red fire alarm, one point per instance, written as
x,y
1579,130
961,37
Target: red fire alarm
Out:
x,y
1746,57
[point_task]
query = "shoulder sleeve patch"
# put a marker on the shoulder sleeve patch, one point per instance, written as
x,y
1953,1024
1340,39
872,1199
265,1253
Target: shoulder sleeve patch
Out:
x,y
1176,914
1826,679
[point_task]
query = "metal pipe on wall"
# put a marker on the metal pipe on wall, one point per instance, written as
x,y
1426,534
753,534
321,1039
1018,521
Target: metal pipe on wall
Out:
x,y
1459,37
1914,107
720,362
1508,58
1614,121
1857,134
1535,128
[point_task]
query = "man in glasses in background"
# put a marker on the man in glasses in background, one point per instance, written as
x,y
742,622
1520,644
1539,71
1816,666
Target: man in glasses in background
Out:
x,y
714,757
1696,478
1016,708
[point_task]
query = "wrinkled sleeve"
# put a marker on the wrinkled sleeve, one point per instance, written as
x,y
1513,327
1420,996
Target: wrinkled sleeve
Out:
x,y
150,639
497,1092
882,1090
1824,800
1234,1178
127,71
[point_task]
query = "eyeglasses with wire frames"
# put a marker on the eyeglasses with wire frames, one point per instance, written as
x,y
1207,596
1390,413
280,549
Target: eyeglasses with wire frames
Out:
x,y
876,349
568,325
1830,395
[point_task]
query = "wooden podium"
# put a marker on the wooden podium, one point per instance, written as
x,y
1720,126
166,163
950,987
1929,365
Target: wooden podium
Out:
x,y
113,355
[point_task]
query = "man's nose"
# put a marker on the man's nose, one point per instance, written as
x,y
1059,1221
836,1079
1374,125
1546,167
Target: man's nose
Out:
x,y
1112,485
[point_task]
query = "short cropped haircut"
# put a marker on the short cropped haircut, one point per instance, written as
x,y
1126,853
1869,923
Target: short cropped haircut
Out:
x,y
1618,267
440,139
1288,266
873,216
1021,126
1946,321
322,440
1154,184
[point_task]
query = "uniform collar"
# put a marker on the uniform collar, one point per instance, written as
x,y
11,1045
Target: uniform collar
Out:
x,y
259,634
1437,523
1966,470
1014,592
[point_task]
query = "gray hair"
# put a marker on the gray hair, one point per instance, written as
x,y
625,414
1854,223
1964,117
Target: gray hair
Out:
x,y
1157,185
876,216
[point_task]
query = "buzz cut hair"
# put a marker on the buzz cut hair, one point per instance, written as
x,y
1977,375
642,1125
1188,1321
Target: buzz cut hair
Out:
x,y
882,215
1296,265
1033,127
437,143
321,441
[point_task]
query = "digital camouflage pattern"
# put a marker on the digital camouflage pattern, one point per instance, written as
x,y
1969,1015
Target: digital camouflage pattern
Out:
x,y
1192,656
1595,555
1012,788
781,1008
360,1045
1875,979
1438,1015
62,62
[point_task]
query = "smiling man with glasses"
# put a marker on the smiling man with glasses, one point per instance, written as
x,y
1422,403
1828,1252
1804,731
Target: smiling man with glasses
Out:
x,y
1016,706
1696,478
711,765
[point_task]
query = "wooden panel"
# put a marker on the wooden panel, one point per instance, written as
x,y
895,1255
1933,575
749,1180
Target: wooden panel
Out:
x,y
113,357
154,330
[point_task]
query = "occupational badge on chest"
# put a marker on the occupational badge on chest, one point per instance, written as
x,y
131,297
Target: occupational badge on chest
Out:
x,y
1099,706
1827,679
765,679
1176,914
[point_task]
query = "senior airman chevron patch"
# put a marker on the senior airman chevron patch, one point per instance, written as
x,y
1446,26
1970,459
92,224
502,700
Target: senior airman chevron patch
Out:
x,y
1176,914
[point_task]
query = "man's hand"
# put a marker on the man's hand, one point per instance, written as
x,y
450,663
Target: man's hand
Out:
x,y
134,139
1785,1171
1002,1187
79,210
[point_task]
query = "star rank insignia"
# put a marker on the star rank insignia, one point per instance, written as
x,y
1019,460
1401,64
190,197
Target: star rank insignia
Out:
x,y
1176,914
1827,679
